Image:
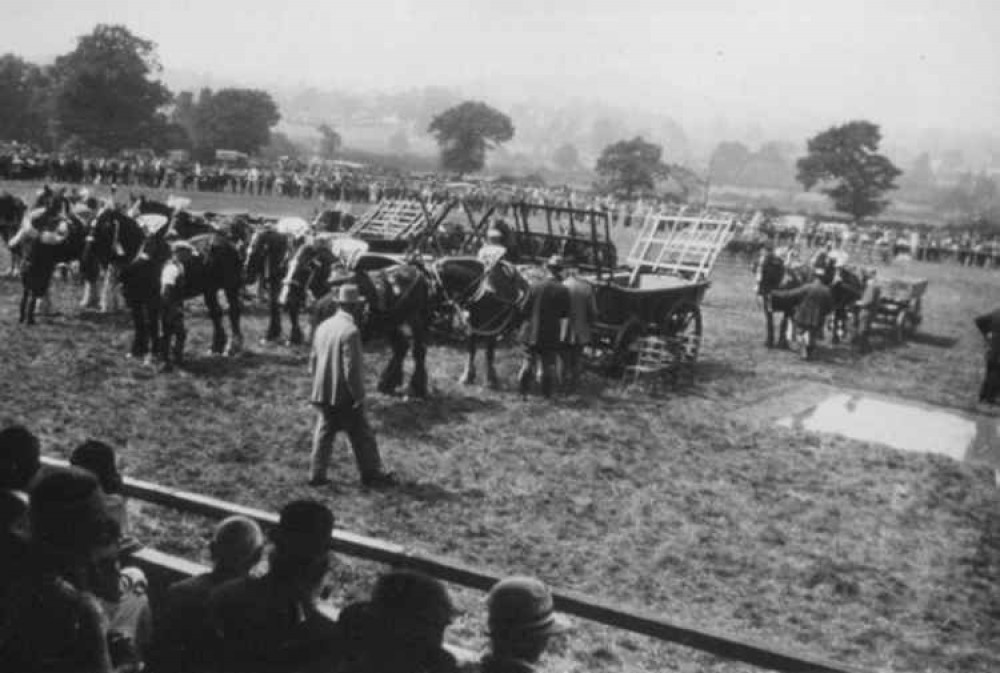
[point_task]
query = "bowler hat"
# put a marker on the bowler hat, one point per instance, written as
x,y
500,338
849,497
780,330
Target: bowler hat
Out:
x,y
348,294
99,459
522,606
405,595
304,528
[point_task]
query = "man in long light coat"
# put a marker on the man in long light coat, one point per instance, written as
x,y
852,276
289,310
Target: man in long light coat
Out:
x,y
338,394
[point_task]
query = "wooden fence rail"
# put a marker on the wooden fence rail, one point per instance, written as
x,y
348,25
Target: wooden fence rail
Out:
x,y
569,602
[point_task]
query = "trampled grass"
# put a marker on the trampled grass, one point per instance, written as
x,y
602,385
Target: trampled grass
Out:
x,y
690,505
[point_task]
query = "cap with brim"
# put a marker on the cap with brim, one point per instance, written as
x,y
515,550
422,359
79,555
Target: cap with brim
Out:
x,y
555,262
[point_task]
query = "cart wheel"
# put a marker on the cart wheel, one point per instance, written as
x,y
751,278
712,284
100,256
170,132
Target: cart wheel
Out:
x,y
905,326
682,326
624,349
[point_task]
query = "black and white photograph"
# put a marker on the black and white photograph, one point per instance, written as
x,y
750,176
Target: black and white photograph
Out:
x,y
500,336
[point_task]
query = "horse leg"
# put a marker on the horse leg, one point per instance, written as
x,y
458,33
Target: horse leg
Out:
x,y
274,308
140,337
784,327
235,343
215,314
25,297
492,380
295,332
89,298
109,291
418,381
30,312
392,376
469,375
769,322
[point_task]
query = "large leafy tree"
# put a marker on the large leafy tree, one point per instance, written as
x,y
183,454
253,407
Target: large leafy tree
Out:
x,y
329,141
23,97
465,132
234,119
630,166
103,91
844,162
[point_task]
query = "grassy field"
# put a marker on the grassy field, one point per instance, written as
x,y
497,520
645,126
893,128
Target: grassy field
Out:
x,y
691,505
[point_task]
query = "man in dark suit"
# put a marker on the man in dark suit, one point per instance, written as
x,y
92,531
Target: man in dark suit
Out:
x,y
338,394
547,308
989,325
813,302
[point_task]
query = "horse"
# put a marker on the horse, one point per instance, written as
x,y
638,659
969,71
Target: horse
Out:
x,y
162,276
268,254
773,273
846,286
486,301
113,239
395,296
59,239
12,209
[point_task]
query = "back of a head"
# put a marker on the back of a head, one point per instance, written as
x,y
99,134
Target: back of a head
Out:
x,y
98,458
236,544
19,457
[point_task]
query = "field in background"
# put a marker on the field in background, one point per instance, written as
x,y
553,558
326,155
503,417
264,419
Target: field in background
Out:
x,y
692,506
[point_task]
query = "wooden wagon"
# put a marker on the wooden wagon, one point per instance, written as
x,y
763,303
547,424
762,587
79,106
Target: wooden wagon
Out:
x,y
896,304
656,296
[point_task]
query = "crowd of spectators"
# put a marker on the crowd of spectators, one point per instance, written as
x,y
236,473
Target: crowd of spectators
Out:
x,y
72,600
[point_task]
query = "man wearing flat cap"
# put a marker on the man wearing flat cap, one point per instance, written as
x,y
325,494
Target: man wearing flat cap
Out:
x,y
521,620
547,308
338,394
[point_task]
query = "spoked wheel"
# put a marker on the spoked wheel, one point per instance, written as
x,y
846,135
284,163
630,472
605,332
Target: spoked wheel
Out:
x,y
906,325
682,328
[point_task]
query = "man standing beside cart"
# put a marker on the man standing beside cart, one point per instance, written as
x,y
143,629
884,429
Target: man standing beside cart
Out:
x,y
547,307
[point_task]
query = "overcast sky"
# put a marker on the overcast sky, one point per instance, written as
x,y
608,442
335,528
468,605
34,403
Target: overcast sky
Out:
x,y
908,63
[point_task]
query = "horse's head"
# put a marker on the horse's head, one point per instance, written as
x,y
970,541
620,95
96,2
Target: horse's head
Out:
x,y
308,271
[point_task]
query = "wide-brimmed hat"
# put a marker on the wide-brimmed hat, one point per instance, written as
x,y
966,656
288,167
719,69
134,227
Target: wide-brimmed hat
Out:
x,y
494,235
522,606
349,294
68,514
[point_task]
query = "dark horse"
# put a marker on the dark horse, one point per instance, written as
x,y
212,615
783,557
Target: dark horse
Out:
x,y
485,303
846,286
12,211
161,277
267,258
113,240
395,296
54,237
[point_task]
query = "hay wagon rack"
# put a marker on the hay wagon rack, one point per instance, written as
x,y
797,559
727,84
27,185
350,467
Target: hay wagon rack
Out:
x,y
652,304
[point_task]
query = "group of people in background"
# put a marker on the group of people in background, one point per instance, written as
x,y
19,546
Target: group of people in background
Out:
x,y
73,598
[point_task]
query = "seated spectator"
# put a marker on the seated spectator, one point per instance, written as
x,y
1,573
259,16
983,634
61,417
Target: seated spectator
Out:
x,y
13,543
521,621
99,459
272,623
19,458
129,614
401,629
52,617
183,637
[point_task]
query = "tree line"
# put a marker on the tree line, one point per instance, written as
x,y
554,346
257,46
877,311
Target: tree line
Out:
x,y
104,97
